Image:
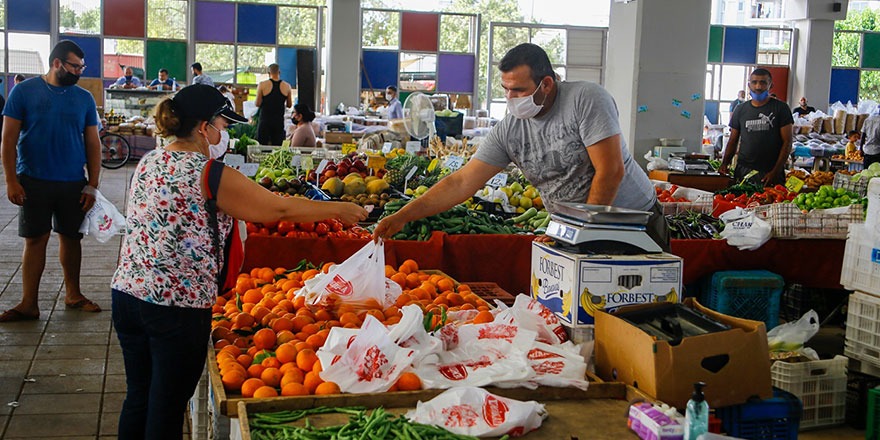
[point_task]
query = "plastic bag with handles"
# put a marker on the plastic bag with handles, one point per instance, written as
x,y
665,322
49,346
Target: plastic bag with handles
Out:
x,y
530,314
553,366
358,281
103,221
744,230
477,412
372,362
792,336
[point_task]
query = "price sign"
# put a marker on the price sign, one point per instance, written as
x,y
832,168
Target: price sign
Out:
x,y
386,148
285,143
454,163
349,148
433,164
376,162
499,180
321,166
793,184
296,161
409,175
248,169
307,163
233,159
413,147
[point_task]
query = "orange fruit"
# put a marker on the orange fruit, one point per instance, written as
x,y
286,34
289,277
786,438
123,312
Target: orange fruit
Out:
x,y
454,299
311,329
233,379
281,324
419,293
464,287
413,281
300,346
316,367
484,317
264,339
245,360
327,388
413,266
284,336
323,315
259,312
391,311
271,376
315,341
445,284
402,300
393,388
305,359
432,289
309,274
311,381
389,271
252,296
285,353
264,392
409,382
267,275
244,320
221,343
255,370
301,321
404,269
349,317
287,367
399,278
271,362
292,375
250,386
294,389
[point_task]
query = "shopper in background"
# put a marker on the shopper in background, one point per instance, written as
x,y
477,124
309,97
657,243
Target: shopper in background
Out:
x,y
129,81
871,141
50,133
853,137
395,109
760,134
566,139
274,96
229,96
303,135
163,82
19,78
199,77
803,109
167,279
740,98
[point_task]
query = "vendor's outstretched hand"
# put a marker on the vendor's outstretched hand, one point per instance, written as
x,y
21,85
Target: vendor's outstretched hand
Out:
x,y
543,239
769,178
388,227
350,213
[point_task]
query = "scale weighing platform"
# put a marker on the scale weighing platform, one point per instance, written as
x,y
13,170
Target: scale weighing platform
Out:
x,y
600,229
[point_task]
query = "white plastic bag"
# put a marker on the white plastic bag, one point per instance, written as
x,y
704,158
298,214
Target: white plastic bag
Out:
x,y
530,314
410,333
655,163
103,221
358,281
792,336
553,366
371,364
744,230
475,411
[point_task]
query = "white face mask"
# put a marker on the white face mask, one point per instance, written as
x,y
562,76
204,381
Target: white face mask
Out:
x,y
219,148
524,107
388,96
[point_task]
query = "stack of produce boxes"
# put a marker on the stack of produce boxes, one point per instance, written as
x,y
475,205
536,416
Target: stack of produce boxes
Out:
x,y
861,273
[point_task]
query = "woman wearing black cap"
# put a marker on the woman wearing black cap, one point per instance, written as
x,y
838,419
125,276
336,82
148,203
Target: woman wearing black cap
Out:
x,y
304,135
166,282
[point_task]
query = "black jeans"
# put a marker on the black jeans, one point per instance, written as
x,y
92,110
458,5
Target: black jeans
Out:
x,y
164,349
869,159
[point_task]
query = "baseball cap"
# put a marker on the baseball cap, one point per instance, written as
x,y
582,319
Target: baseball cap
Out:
x,y
203,102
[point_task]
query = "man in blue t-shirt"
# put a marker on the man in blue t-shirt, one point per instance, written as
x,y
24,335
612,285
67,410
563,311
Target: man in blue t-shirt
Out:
x,y
50,132
163,82
129,81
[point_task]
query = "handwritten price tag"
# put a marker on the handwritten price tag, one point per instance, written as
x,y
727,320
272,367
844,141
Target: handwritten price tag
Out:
x,y
499,180
285,143
321,166
349,148
307,163
233,159
296,161
793,184
454,163
386,148
248,169
376,162
413,147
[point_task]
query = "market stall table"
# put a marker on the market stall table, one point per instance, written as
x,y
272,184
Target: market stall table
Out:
x,y
505,259
704,182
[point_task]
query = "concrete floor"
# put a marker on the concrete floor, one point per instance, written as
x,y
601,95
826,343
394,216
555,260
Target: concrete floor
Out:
x,y
65,371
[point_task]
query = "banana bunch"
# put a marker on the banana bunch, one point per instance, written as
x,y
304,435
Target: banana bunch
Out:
x,y
592,303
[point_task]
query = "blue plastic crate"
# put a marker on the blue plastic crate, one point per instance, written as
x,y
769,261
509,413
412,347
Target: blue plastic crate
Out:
x,y
750,294
777,418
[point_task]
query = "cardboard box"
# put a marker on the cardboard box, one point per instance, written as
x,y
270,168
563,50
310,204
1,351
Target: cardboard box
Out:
x,y
338,138
734,364
575,286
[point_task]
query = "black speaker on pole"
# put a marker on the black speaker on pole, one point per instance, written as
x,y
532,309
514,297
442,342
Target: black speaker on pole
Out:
x,y
306,77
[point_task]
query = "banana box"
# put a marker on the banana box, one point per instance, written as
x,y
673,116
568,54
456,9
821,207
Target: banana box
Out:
x,y
575,286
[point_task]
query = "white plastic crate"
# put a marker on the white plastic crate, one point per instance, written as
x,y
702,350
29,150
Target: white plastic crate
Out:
x,y
821,386
861,261
863,327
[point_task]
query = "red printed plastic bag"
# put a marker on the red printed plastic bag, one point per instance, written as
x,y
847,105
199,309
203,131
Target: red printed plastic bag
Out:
x,y
475,411
504,331
488,354
358,281
532,315
410,333
553,366
372,362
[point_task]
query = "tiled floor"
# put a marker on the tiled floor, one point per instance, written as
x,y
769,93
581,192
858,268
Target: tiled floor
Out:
x,y
65,371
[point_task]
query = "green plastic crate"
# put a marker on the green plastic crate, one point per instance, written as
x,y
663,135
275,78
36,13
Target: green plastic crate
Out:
x,y
872,430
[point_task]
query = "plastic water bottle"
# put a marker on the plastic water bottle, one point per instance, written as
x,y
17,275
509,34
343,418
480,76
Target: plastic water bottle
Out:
x,y
696,418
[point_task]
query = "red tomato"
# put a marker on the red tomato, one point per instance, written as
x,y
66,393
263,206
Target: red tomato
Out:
x,y
307,227
271,225
729,197
322,228
285,227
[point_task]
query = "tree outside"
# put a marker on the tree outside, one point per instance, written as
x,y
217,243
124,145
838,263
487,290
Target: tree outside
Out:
x,y
847,46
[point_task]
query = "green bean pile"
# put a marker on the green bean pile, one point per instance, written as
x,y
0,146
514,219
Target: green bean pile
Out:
x,y
378,424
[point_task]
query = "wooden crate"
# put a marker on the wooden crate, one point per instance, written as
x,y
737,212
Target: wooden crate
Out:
x,y
566,406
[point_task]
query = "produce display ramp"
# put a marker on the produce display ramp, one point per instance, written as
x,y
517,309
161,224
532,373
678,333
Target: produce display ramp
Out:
x,y
606,403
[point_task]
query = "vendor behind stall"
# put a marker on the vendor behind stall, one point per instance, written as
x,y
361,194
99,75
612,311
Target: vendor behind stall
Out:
x,y
129,81
566,139
760,134
163,82
803,109
871,140
395,109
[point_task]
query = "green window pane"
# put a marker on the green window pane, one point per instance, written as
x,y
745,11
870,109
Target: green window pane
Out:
x,y
217,61
166,19
845,49
455,33
381,29
297,26
80,17
169,55
871,51
506,38
716,43
869,88
552,41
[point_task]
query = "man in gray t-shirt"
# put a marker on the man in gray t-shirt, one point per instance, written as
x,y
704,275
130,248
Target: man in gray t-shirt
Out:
x,y
566,139
871,140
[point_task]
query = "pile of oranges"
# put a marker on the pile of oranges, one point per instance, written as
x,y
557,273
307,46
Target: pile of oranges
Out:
x,y
266,337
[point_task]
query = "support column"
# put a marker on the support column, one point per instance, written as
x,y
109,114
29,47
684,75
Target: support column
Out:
x,y
343,53
657,54
814,20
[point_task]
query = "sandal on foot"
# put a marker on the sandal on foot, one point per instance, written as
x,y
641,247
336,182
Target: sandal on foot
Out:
x,y
13,315
85,305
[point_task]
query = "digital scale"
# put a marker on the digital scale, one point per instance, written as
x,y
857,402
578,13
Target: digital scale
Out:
x,y
691,164
600,229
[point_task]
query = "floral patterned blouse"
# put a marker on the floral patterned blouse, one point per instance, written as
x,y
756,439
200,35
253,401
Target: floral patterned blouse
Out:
x,y
167,255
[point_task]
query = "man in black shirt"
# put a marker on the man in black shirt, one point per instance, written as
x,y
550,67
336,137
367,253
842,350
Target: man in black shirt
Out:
x,y
764,125
804,109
